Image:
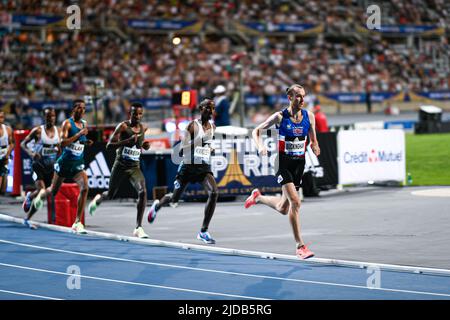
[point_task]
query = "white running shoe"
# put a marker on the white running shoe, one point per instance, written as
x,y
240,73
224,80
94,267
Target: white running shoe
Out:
x,y
93,205
173,204
140,233
38,203
205,237
78,228
30,225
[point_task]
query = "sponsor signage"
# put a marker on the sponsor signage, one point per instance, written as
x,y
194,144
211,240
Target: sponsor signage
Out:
x,y
238,168
371,155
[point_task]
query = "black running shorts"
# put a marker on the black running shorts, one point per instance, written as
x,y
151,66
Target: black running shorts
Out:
x,y
42,172
192,173
290,170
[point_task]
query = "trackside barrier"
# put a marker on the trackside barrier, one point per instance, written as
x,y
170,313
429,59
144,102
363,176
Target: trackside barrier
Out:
x,y
256,254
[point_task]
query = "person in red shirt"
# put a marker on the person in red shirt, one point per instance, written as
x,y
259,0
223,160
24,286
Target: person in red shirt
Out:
x,y
321,119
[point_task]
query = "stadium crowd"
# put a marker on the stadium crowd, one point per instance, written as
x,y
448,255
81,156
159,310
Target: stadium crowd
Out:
x,y
279,11
54,66
148,66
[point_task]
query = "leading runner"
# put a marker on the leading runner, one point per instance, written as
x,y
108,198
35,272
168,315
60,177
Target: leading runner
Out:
x,y
295,125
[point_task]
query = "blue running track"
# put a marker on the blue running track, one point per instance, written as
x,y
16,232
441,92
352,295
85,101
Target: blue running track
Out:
x,y
39,264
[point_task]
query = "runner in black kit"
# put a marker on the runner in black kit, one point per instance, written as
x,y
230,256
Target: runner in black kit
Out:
x,y
296,125
128,138
6,147
46,149
195,168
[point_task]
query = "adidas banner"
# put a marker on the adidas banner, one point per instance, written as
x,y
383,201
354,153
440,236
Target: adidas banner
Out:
x,y
98,165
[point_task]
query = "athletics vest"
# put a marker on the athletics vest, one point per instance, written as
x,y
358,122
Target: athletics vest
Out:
x,y
75,150
47,147
293,137
202,154
4,143
130,155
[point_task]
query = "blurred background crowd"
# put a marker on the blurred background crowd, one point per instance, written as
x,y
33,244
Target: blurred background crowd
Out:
x,y
53,65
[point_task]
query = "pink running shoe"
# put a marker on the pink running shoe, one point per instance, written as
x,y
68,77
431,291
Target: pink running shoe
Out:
x,y
251,200
304,253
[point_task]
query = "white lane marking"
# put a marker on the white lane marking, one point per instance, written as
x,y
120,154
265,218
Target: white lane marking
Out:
x,y
238,252
132,283
29,295
222,272
440,192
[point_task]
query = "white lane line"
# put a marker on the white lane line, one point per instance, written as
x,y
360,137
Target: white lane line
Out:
x,y
238,252
222,272
29,295
132,283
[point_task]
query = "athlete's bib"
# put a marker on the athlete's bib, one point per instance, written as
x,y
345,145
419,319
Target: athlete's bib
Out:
x,y
203,153
131,154
49,152
3,152
295,148
75,149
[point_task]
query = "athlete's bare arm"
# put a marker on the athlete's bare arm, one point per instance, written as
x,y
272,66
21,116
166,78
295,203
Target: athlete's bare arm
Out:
x,y
145,144
59,130
191,138
10,142
65,140
33,135
115,142
312,134
256,133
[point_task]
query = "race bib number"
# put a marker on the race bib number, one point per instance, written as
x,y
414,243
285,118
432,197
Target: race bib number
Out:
x,y
203,153
49,152
76,149
295,148
131,154
3,152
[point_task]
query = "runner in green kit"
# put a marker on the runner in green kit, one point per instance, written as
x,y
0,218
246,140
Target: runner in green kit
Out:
x,y
128,138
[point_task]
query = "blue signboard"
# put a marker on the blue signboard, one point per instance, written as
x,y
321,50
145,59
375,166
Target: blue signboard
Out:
x,y
406,29
159,24
280,27
35,20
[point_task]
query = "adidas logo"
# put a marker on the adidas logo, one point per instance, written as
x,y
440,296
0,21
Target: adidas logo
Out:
x,y
98,173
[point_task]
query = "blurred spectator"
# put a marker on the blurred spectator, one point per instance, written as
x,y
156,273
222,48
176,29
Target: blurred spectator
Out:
x,y
321,119
369,98
142,65
222,103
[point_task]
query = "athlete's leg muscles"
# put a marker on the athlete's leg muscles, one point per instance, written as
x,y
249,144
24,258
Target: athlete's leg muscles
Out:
x,y
281,204
55,186
175,196
40,185
3,183
115,181
138,183
82,180
294,210
210,186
